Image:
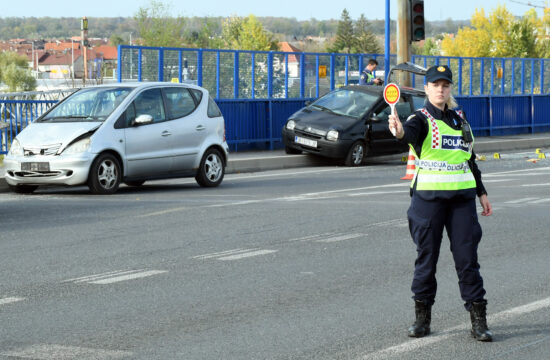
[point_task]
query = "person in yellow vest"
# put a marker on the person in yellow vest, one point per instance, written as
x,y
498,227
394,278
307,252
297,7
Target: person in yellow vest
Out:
x,y
443,192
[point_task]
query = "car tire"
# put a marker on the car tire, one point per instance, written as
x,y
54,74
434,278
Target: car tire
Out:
x,y
23,189
211,169
134,183
356,154
291,151
105,175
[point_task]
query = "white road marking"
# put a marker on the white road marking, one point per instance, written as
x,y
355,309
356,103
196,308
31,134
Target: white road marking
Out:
x,y
517,201
114,277
341,238
128,277
498,180
10,300
530,185
517,172
246,255
246,177
57,352
221,253
162,212
415,344
540,201
234,254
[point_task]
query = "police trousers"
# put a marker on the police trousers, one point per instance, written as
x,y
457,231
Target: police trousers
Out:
x,y
427,218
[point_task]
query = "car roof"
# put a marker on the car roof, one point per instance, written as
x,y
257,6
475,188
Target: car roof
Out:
x,y
147,84
377,90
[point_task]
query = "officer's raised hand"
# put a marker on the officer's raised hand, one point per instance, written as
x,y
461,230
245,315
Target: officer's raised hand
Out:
x,y
394,123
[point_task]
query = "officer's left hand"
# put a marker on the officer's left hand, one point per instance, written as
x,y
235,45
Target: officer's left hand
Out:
x,y
486,205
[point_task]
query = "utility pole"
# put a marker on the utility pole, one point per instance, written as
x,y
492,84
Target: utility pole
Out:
x,y
403,39
84,39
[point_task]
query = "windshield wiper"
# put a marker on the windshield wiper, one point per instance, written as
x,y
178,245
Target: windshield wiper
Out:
x,y
325,109
53,118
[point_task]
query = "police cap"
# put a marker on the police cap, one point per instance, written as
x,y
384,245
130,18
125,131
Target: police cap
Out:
x,y
439,72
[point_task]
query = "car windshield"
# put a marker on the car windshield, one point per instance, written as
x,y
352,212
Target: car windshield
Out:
x,y
346,102
93,104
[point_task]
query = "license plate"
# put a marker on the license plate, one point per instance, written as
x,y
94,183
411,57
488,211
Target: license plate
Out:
x,y
35,166
306,142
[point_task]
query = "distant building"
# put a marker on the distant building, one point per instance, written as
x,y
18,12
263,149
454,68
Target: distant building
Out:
x,y
293,60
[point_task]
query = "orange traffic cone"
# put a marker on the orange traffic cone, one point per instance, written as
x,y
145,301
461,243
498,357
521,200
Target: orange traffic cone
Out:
x,y
411,167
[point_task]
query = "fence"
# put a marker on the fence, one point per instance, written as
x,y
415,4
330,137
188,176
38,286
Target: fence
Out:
x,y
257,90
233,74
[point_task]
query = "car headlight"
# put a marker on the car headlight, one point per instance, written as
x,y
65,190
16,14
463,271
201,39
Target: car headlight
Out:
x,y
332,135
291,124
15,148
79,146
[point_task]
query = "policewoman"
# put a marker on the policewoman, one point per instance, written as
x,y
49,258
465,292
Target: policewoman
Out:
x,y
443,193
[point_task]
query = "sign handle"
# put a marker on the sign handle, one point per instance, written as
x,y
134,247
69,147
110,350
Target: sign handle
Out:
x,y
393,131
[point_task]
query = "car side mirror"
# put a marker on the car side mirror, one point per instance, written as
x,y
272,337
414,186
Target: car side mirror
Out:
x,y
307,103
374,118
143,119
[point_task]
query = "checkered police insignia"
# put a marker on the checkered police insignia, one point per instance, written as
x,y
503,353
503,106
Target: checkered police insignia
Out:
x,y
441,69
436,137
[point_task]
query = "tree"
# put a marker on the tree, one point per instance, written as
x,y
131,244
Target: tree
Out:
x,y
157,27
498,35
206,36
345,39
365,40
116,40
247,34
15,73
429,48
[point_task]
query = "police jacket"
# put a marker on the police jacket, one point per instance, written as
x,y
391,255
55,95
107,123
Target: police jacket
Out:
x,y
366,78
416,130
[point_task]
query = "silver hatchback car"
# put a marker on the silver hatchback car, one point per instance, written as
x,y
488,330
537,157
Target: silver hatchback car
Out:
x,y
127,132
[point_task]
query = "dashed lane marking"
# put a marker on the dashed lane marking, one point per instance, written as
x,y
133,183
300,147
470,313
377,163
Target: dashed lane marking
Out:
x,y
411,345
57,352
115,276
340,238
522,200
235,254
10,300
247,255
540,201
532,185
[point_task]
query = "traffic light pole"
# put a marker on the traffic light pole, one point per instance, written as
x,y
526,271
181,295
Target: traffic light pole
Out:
x,y
387,44
403,39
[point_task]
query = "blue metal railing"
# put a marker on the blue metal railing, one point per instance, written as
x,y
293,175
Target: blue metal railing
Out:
x,y
257,123
16,114
236,74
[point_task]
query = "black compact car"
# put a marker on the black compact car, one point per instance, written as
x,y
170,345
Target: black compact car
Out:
x,y
351,122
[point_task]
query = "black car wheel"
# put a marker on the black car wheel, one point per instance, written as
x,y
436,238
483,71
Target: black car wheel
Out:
x,y
105,175
356,154
292,151
211,169
23,189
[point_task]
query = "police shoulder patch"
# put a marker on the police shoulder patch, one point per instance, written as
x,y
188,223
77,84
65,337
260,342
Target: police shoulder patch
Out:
x,y
410,117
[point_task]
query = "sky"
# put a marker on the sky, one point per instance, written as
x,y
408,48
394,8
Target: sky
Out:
x,y
301,10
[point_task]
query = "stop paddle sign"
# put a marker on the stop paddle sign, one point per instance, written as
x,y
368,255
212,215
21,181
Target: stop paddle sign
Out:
x,y
391,96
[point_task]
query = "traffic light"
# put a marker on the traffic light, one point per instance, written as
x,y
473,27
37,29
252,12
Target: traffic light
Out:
x,y
417,20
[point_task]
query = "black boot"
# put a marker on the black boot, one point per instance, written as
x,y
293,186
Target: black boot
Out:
x,y
478,315
421,326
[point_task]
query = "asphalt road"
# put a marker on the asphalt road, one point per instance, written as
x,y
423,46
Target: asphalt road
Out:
x,y
307,263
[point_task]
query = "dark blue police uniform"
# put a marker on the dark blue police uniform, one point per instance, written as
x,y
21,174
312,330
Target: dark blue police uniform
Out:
x,y
431,211
443,192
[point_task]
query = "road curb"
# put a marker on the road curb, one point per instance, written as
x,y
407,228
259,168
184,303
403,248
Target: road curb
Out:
x,y
277,159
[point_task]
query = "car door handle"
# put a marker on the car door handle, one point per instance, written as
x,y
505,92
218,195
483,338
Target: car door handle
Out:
x,y
166,133
200,128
